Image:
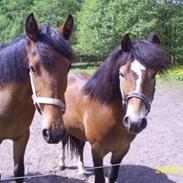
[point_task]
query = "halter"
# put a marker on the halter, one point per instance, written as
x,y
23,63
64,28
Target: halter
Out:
x,y
140,96
44,100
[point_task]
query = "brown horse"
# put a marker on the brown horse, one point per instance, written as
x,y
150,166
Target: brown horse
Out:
x,y
110,108
37,64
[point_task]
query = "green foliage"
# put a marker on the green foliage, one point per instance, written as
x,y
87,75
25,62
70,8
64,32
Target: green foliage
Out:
x,y
175,73
170,21
14,12
54,12
12,17
101,23
95,29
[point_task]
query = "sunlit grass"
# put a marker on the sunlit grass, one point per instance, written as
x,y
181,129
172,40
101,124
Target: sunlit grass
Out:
x,y
175,73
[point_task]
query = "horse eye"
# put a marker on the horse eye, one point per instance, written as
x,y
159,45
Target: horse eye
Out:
x,y
31,68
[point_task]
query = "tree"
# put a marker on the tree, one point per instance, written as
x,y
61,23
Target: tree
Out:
x,y
170,27
101,24
54,12
14,12
12,17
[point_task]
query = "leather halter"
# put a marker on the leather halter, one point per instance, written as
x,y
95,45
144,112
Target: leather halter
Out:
x,y
140,96
44,100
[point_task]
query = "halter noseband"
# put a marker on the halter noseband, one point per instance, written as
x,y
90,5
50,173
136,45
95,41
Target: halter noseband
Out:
x,y
141,96
44,100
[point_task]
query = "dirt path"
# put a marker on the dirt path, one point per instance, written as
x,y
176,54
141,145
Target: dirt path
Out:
x,y
160,144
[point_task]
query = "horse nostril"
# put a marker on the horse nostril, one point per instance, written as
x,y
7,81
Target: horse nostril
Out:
x,y
144,123
46,135
45,132
126,121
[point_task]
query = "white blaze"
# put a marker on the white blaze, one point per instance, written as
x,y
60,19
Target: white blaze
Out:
x,y
138,68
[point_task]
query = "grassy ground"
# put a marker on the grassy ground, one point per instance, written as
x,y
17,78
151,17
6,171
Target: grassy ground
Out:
x,y
175,73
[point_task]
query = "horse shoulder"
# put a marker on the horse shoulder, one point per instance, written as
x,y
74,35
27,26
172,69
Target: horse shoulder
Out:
x,y
75,101
14,119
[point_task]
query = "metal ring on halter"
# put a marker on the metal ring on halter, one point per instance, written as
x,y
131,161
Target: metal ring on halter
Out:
x,y
45,100
140,96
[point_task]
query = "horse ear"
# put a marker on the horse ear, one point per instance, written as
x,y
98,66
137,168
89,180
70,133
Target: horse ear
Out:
x,y
153,38
67,28
31,27
126,43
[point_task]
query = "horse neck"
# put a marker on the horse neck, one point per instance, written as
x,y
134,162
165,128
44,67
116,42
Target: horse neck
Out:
x,y
117,108
17,91
16,99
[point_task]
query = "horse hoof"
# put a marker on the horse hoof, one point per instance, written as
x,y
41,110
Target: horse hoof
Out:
x,y
62,168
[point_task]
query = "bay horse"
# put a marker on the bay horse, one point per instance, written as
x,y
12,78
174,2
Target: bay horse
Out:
x,y
35,64
110,108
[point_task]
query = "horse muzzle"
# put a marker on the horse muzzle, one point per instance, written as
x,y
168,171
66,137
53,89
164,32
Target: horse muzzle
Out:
x,y
51,138
136,126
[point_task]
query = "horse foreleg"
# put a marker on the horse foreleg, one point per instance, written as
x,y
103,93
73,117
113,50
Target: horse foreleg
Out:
x,y
80,165
114,170
19,146
98,163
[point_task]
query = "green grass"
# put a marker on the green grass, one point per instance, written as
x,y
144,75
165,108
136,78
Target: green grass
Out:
x,y
175,73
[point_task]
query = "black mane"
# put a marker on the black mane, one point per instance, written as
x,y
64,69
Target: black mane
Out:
x,y
104,84
13,60
13,56
54,41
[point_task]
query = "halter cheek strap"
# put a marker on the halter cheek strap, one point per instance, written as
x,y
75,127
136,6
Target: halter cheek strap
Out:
x,y
44,100
141,96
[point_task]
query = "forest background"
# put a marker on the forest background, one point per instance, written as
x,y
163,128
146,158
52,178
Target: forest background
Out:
x,y
100,24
